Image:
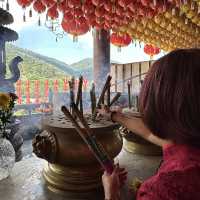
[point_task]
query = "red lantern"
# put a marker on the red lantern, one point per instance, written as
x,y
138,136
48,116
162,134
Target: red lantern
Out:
x,y
53,12
119,10
108,6
77,12
24,3
124,3
74,3
88,7
48,3
97,2
120,40
151,50
68,16
75,27
99,11
39,6
62,6
109,16
145,2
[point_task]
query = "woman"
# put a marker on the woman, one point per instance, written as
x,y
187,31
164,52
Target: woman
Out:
x,y
170,108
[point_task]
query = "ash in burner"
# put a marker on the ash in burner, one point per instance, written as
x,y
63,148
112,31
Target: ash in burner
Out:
x,y
63,122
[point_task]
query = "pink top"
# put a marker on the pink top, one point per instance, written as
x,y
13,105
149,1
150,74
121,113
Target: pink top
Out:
x,y
178,177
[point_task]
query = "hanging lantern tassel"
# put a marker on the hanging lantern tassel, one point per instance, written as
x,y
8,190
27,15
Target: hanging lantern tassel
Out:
x,y
99,35
75,38
7,6
140,44
30,13
24,17
47,18
93,32
52,27
119,49
39,21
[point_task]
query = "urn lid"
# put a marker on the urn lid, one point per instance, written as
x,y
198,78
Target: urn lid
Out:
x,y
55,122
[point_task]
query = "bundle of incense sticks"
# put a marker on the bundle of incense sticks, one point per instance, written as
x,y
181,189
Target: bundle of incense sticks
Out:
x,y
105,89
93,98
89,138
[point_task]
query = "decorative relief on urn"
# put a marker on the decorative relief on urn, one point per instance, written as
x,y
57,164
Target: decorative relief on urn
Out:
x,y
45,146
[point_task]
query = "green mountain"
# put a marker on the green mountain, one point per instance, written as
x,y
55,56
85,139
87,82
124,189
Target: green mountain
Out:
x,y
85,64
34,66
39,67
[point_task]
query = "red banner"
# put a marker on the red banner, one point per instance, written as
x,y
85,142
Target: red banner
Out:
x,y
65,85
37,91
28,101
19,91
55,86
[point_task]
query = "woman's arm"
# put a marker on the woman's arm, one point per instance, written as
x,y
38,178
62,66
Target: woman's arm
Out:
x,y
137,126
134,124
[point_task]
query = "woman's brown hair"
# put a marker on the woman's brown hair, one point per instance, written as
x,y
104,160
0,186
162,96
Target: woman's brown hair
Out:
x,y
170,97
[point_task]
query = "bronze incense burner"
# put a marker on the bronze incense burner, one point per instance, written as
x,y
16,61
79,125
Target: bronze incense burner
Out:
x,y
71,166
136,144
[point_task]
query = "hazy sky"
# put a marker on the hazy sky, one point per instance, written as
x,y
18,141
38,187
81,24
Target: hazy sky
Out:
x,y
43,41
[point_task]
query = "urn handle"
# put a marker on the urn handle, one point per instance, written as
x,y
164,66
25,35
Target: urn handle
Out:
x,y
45,146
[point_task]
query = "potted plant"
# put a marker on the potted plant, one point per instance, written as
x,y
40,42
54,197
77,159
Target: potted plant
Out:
x,y
7,152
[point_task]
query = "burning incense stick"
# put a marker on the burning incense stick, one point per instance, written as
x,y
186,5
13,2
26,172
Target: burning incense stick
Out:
x,y
129,94
79,94
93,98
108,96
89,138
115,98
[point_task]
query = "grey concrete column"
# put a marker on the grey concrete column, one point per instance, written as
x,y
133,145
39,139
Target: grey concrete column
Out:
x,y
101,57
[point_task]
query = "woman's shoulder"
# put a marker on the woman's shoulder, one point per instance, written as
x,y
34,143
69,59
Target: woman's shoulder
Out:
x,y
172,185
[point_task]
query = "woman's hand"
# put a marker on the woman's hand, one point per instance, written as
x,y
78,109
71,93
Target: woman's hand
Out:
x,y
106,112
112,183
